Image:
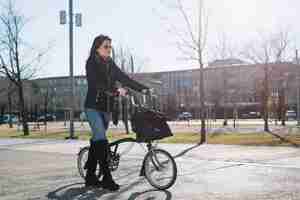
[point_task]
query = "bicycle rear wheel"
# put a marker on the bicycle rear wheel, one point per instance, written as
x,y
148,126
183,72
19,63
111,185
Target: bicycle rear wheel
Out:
x,y
113,157
160,169
81,163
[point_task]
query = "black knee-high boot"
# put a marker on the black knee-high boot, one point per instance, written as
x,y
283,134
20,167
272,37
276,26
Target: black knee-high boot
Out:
x,y
107,182
91,165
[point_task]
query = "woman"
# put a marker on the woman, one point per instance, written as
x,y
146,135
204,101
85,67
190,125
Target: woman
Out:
x,y
102,74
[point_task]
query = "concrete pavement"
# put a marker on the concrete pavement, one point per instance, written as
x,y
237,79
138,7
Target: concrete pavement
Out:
x,y
46,169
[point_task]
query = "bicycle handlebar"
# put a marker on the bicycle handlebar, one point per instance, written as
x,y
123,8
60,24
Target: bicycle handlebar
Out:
x,y
132,93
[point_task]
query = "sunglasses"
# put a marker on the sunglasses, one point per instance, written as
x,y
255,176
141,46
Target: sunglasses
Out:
x,y
107,47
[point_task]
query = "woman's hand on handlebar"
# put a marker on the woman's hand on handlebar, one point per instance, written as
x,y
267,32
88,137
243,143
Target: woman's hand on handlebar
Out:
x,y
122,91
148,91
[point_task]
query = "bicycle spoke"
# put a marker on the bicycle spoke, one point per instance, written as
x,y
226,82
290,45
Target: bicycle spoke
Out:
x,y
160,169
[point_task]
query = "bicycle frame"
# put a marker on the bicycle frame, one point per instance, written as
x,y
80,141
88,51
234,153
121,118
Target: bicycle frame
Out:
x,y
116,143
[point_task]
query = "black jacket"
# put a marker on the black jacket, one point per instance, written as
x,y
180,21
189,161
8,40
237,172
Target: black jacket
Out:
x,y
101,77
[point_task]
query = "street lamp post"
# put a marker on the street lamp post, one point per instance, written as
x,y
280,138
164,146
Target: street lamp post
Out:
x,y
71,68
63,21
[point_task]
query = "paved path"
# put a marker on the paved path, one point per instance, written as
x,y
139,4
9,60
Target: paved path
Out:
x,y
46,169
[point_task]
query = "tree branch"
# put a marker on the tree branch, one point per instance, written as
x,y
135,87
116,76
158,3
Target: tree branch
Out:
x,y
188,24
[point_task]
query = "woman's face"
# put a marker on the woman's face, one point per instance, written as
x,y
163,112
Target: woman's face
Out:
x,y
105,49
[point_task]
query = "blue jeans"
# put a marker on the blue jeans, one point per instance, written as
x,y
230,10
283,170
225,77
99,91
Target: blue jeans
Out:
x,y
99,122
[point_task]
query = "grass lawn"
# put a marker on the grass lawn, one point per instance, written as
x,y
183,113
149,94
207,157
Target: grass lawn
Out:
x,y
58,135
188,138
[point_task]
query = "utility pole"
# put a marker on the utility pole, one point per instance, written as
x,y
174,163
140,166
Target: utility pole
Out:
x,y
298,90
63,21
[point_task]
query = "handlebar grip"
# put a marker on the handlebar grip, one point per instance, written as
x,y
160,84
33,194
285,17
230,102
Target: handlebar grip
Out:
x,y
144,99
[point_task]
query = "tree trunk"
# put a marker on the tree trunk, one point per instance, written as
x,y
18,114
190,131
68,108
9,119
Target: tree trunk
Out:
x,y
10,109
45,108
266,118
266,126
283,111
234,116
202,102
2,110
36,116
282,107
125,114
283,119
225,123
23,110
266,98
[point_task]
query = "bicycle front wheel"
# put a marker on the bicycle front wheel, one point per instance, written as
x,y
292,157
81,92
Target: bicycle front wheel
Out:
x,y
160,169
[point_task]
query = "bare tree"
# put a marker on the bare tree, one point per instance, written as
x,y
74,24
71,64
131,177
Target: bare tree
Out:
x,y
280,43
270,48
126,59
15,62
191,42
223,49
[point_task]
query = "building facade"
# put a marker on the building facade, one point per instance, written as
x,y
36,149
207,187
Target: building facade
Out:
x,y
226,87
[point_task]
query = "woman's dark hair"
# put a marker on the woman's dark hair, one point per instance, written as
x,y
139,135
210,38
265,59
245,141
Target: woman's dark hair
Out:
x,y
96,44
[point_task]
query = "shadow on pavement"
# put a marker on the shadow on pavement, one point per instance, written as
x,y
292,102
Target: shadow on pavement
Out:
x,y
69,192
186,151
80,192
151,195
283,139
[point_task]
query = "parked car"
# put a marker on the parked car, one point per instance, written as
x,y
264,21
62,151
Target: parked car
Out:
x,y
5,119
254,115
245,116
185,116
291,115
49,117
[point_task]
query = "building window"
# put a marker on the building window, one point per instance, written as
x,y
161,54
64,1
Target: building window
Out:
x,y
78,81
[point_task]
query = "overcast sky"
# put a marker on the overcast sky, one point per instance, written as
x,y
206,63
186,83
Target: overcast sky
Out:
x,y
137,25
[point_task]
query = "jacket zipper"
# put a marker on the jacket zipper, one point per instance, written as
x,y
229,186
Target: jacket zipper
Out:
x,y
109,82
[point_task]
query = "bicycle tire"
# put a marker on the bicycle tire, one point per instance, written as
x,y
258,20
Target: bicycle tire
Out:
x,y
81,161
149,159
83,155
